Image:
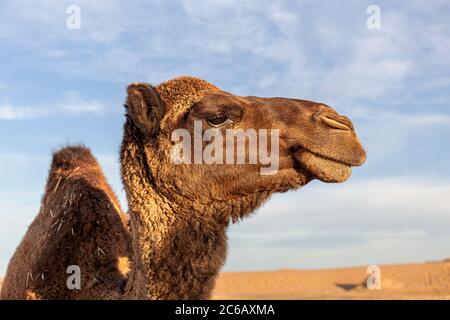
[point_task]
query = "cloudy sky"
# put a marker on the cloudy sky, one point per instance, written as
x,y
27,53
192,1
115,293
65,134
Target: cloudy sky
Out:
x,y
61,86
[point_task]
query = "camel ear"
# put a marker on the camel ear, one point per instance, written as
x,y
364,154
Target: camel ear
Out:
x,y
145,107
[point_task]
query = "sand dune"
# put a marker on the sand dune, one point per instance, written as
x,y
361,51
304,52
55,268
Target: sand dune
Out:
x,y
408,281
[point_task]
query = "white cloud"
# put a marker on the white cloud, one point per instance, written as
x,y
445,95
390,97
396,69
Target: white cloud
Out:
x,y
402,219
8,112
425,119
401,120
70,103
306,51
386,134
285,48
84,107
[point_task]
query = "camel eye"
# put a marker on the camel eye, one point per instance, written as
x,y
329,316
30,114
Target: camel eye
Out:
x,y
217,120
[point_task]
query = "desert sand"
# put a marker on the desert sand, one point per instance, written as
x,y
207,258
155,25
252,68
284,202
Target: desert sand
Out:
x,y
407,281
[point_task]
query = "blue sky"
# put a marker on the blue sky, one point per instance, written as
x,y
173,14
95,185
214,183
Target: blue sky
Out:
x,y
61,86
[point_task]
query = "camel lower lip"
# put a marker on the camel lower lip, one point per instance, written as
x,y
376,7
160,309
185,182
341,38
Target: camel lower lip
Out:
x,y
324,169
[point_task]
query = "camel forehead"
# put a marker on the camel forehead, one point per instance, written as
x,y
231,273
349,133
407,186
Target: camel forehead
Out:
x,y
181,93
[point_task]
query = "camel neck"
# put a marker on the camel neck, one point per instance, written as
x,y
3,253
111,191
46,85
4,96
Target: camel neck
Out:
x,y
174,258
177,252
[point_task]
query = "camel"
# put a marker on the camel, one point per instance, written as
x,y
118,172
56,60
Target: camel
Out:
x,y
173,241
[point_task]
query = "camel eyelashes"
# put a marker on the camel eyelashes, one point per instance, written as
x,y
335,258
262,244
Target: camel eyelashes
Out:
x,y
218,120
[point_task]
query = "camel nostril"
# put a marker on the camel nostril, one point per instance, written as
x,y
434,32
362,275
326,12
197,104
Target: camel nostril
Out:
x,y
341,123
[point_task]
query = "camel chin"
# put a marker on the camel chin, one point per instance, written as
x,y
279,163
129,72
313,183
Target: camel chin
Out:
x,y
324,169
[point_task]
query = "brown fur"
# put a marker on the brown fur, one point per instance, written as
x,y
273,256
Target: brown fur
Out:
x,y
78,224
179,214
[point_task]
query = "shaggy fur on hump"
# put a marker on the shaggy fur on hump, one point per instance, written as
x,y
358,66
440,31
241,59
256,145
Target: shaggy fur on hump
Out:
x,y
80,222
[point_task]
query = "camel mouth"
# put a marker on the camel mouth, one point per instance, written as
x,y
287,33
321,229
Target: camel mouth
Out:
x,y
324,169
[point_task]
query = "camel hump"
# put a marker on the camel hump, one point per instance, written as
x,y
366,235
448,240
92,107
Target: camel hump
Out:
x,y
80,223
75,165
73,157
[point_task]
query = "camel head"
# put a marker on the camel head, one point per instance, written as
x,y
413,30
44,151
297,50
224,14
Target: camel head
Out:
x,y
300,141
